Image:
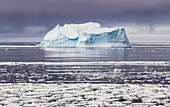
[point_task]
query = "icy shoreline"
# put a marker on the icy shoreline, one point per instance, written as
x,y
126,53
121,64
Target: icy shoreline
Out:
x,y
121,72
27,94
153,63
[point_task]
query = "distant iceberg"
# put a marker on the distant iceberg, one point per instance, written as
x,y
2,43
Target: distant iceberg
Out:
x,y
85,35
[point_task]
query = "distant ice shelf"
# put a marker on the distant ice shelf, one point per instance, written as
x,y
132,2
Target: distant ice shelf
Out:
x,y
85,35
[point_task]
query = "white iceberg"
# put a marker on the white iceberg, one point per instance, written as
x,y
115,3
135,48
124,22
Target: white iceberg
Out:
x,y
85,35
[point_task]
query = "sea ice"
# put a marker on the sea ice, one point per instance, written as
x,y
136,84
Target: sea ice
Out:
x,y
85,35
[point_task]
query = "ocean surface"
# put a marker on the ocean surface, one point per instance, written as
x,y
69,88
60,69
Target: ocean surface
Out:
x,y
138,76
140,63
28,52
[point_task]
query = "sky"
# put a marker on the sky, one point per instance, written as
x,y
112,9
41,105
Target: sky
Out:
x,y
30,20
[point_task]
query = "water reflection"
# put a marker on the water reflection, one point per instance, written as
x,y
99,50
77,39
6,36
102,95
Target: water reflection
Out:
x,y
36,54
84,54
21,54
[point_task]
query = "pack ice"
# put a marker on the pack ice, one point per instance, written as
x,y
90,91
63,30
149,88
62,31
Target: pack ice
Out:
x,y
85,35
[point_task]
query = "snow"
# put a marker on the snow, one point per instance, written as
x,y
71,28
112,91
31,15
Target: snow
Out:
x,y
85,35
101,30
82,94
51,35
71,31
149,63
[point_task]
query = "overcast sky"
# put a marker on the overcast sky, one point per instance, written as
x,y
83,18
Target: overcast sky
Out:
x,y
144,20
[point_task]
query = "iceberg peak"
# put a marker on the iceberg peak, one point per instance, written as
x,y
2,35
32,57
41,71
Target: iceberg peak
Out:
x,y
85,35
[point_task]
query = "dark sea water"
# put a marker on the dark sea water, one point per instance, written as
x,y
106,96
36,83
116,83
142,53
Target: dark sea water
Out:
x,y
31,76
27,52
96,65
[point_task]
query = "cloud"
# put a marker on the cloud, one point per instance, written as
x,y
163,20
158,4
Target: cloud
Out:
x,y
147,33
35,29
63,11
6,29
148,29
150,17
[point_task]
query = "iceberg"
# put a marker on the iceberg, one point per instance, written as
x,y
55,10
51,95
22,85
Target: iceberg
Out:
x,y
85,35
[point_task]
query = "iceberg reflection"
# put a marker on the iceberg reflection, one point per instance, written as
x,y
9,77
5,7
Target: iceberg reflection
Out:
x,y
84,54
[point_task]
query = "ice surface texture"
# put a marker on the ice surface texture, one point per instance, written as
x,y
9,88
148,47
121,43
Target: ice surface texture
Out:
x,y
85,35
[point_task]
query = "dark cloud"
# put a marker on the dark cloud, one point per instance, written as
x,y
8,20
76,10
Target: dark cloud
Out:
x,y
80,10
17,15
